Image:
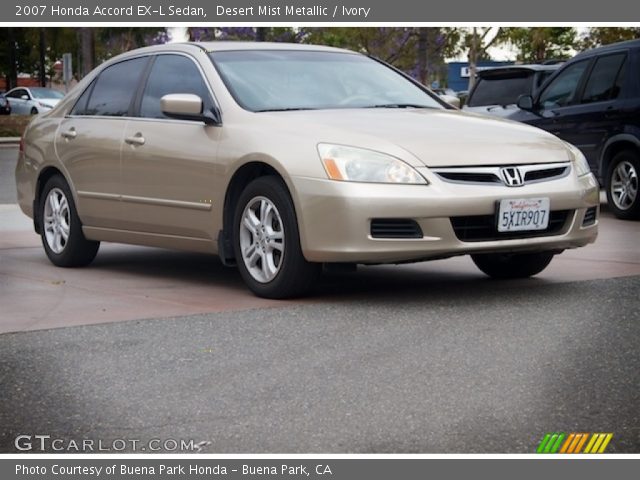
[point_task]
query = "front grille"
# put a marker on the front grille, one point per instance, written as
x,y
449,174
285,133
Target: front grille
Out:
x,y
395,228
492,175
470,177
483,228
538,175
590,216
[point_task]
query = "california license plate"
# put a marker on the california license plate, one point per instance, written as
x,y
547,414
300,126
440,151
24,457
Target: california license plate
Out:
x,y
523,214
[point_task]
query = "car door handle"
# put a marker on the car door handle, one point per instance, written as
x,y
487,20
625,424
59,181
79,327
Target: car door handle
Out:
x,y
70,134
137,139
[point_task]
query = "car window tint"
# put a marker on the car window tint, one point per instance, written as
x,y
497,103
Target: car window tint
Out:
x,y
115,87
502,90
172,74
17,93
602,81
81,105
562,89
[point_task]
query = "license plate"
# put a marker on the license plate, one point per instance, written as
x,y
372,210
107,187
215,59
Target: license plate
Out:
x,y
523,214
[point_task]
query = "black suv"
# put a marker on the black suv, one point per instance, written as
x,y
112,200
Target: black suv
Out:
x,y
593,102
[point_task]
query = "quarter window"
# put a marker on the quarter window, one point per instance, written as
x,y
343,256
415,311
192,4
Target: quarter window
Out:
x,y
602,83
562,90
114,89
172,74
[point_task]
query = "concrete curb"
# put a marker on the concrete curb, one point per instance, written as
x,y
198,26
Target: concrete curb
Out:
x,y
9,140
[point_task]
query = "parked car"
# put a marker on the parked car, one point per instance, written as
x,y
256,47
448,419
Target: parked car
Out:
x,y
280,158
33,100
448,96
593,102
5,106
497,90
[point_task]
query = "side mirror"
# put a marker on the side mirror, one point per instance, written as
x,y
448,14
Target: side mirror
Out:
x,y
186,106
25,97
525,102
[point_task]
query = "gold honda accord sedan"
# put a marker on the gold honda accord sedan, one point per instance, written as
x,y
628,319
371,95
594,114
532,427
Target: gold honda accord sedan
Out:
x,y
281,158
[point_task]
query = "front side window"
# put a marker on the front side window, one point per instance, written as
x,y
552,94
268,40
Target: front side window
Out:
x,y
17,93
602,83
172,74
114,89
563,89
267,80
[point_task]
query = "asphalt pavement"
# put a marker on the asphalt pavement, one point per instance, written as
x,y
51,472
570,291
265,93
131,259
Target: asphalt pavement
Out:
x,y
422,358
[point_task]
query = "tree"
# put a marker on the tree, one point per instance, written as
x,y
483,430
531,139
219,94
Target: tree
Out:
x,y
597,36
536,45
478,41
419,52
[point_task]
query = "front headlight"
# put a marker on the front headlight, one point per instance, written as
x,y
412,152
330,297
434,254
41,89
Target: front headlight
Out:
x,y
44,105
579,161
351,164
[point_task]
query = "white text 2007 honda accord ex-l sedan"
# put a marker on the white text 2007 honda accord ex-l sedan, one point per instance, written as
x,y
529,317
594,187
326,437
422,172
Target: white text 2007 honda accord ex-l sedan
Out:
x,y
281,158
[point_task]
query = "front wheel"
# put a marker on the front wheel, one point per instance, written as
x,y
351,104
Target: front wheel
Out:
x,y
60,227
267,243
622,185
34,111
512,265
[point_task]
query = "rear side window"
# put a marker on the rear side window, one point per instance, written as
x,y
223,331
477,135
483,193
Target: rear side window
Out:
x,y
501,90
562,89
172,74
115,88
602,84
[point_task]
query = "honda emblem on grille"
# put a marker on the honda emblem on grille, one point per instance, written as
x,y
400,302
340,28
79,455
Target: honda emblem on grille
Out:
x,y
512,176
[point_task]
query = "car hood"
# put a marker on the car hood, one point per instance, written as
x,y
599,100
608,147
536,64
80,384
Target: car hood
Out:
x,y
435,138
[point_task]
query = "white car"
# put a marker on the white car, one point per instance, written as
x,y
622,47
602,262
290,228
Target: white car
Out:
x,y
33,100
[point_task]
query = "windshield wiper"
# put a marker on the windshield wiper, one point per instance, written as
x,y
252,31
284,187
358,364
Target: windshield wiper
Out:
x,y
399,105
290,109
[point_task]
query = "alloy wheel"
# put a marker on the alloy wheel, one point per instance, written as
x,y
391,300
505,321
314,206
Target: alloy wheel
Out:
x,y
262,239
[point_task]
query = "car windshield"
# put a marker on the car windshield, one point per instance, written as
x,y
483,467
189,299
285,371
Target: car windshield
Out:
x,y
46,93
275,80
501,90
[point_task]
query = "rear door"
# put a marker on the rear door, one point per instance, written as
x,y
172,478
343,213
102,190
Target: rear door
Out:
x,y
168,165
89,142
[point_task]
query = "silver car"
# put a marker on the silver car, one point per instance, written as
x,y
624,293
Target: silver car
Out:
x,y
33,100
281,158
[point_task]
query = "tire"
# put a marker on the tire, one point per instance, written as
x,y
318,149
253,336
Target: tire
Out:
x,y
34,111
58,217
512,265
623,196
266,230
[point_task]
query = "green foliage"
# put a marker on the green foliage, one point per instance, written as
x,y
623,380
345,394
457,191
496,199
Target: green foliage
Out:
x,y
597,36
536,45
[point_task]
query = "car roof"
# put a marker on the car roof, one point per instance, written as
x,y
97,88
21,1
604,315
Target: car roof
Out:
x,y
629,44
220,46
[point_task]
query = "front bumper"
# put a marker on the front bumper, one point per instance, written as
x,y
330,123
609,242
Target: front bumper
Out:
x,y
335,217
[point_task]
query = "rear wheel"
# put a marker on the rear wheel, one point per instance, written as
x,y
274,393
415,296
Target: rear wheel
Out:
x,y
60,228
622,185
512,265
267,242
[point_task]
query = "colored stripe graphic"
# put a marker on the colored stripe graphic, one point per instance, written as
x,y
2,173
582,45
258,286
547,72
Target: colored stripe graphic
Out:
x,y
557,442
